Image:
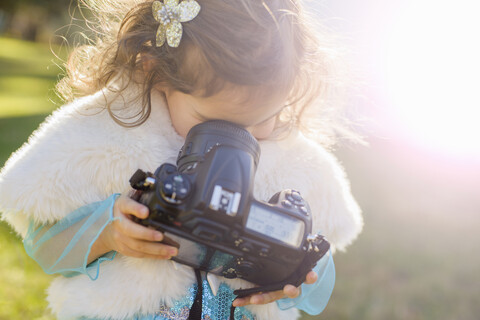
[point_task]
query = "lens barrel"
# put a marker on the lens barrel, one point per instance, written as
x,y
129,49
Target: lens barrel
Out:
x,y
204,136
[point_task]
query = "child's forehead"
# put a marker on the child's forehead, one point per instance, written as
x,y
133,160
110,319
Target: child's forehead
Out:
x,y
238,99
239,104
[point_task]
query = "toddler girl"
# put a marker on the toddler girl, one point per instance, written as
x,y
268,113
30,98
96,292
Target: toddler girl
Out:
x,y
151,75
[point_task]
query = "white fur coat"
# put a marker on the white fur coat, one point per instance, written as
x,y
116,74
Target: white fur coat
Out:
x,y
80,155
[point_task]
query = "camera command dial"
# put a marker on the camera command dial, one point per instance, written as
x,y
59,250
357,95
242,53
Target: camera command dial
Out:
x,y
175,186
291,200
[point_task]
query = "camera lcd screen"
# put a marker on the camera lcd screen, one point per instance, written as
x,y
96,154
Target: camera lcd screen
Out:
x,y
276,225
200,256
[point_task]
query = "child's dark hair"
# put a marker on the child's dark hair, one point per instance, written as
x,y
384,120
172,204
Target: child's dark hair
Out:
x,y
267,46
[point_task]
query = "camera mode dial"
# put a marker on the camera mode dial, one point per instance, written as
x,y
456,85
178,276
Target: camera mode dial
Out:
x,y
175,187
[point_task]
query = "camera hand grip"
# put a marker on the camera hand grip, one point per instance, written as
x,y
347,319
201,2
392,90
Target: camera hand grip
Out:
x,y
319,248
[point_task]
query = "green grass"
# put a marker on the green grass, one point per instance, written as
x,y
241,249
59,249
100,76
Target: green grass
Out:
x,y
28,72
22,293
27,79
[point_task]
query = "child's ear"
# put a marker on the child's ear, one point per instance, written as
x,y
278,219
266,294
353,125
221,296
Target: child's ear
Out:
x,y
147,62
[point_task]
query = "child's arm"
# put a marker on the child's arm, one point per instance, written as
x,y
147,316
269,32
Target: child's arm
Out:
x,y
92,234
130,238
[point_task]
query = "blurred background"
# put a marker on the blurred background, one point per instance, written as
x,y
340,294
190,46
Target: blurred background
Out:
x,y
418,181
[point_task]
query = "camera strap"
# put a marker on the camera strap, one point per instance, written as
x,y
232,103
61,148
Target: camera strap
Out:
x,y
196,309
232,312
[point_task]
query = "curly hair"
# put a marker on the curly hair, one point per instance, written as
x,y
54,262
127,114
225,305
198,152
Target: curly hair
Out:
x,y
268,46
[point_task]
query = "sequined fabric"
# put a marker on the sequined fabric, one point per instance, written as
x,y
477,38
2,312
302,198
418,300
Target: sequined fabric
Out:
x,y
213,307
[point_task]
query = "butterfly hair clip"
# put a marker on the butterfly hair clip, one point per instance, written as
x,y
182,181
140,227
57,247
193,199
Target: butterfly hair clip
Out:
x,y
170,14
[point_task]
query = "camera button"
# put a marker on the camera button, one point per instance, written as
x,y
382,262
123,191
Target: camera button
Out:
x,y
182,192
303,210
264,252
169,168
286,204
296,196
230,273
246,247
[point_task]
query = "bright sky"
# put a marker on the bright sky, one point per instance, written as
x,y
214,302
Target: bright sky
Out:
x,y
433,75
422,63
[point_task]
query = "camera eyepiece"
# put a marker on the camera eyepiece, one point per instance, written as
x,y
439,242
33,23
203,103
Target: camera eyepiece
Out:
x,y
204,136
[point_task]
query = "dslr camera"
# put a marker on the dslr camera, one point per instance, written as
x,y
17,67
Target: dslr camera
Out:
x,y
205,203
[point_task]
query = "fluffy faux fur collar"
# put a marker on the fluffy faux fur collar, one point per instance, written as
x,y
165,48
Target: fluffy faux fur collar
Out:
x,y
80,155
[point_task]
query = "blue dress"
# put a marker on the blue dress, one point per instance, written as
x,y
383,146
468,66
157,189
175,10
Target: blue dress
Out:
x,y
63,248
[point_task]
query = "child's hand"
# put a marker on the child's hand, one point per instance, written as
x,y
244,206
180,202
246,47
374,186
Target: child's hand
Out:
x,y
289,291
130,238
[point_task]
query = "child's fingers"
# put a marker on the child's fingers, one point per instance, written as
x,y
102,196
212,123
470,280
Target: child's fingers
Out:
x,y
148,248
311,277
291,291
125,250
259,298
241,302
125,205
134,230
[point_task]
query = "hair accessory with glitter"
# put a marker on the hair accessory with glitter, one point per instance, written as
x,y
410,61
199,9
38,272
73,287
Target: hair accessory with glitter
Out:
x,y
170,14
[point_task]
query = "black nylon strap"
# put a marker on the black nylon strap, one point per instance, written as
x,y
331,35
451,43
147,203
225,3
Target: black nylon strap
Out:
x,y
232,313
196,309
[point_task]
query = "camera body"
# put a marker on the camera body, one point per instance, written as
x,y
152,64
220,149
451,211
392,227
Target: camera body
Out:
x,y
206,203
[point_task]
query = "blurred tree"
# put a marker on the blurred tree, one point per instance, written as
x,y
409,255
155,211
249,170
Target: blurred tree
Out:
x,y
27,19
52,6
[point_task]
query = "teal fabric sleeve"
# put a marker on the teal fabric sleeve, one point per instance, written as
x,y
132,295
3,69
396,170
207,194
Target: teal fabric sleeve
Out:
x,y
314,297
63,248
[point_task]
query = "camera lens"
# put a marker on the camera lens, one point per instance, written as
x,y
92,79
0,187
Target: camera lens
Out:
x,y
204,136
